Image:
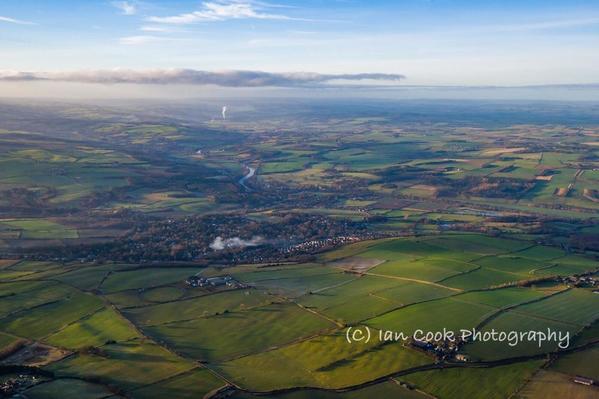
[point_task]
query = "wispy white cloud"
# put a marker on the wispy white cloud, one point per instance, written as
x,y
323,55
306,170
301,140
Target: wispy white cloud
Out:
x,y
544,25
142,39
222,11
195,77
155,28
126,7
15,21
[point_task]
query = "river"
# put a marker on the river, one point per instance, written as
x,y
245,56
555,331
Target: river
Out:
x,y
251,172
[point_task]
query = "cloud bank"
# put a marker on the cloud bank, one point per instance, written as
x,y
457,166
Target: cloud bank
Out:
x,y
195,77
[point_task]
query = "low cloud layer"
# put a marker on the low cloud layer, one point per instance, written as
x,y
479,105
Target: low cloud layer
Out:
x,y
195,77
219,243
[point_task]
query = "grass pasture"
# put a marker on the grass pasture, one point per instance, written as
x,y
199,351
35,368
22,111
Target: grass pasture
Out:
x,y
356,300
146,278
295,280
128,365
191,384
424,269
433,316
68,388
202,306
400,249
501,298
512,321
566,312
233,334
324,361
163,294
20,296
86,278
549,384
383,390
582,363
478,244
51,316
570,264
409,293
33,266
95,330
7,342
482,278
39,229
511,264
168,201
125,299
575,306
476,383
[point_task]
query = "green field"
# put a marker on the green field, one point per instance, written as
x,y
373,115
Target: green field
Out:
x,y
95,330
382,390
433,316
39,229
129,365
141,330
501,298
325,361
194,383
582,363
294,280
128,280
555,385
576,306
203,306
238,333
47,318
513,321
68,388
497,382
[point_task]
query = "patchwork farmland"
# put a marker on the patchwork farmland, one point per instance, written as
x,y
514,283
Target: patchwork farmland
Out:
x,y
281,330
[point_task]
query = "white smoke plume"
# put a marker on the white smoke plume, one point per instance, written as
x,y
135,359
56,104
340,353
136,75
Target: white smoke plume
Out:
x,y
224,112
195,77
219,243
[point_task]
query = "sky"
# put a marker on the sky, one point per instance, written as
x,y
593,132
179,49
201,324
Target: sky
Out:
x,y
298,43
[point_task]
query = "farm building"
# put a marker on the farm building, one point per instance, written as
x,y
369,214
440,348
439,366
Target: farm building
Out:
x,y
218,281
197,281
583,380
462,358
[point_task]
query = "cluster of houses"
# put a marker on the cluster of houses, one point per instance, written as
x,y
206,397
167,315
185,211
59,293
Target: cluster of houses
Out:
x,y
218,281
320,244
442,350
12,386
586,280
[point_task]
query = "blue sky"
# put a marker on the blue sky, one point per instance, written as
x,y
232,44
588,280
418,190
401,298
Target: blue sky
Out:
x,y
434,42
